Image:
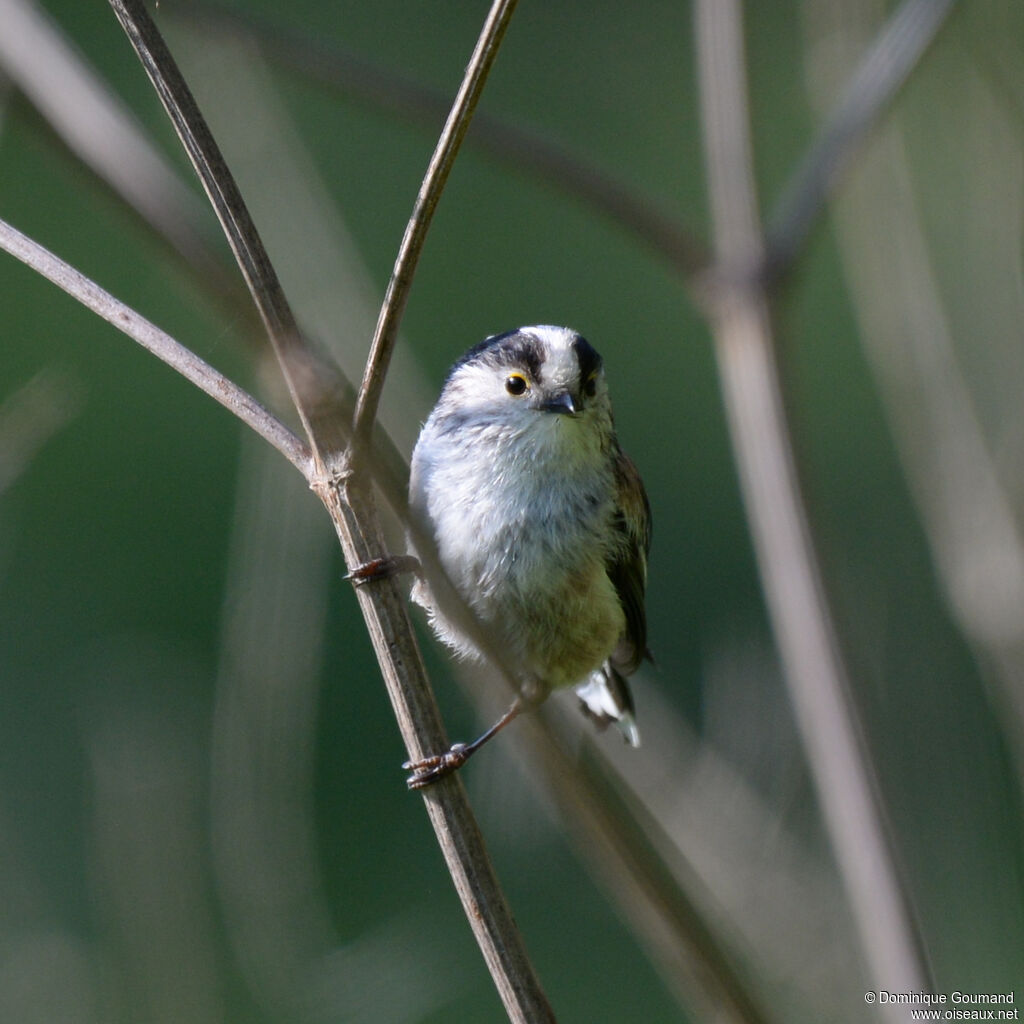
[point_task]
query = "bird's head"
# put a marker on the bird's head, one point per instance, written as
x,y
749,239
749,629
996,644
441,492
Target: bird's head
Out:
x,y
538,381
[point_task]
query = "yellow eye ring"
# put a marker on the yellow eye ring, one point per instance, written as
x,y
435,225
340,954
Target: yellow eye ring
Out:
x,y
590,386
516,384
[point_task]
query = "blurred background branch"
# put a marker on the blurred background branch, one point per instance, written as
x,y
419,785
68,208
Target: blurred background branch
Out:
x,y
101,132
968,516
837,753
31,416
869,88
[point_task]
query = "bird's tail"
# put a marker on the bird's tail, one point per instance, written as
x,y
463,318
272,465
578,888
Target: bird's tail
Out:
x,y
605,698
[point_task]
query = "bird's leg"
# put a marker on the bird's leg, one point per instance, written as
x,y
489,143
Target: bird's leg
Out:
x,y
382,568
430,769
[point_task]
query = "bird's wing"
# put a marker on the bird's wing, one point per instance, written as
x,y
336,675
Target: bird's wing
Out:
x,y
627,564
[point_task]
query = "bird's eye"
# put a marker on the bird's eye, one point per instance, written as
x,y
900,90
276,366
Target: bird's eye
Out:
x,y
515,384
590,386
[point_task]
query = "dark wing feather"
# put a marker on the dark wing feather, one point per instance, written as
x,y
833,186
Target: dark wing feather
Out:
x,y
627,564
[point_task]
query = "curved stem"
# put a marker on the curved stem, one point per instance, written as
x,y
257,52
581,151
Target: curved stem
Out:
x,y
423,213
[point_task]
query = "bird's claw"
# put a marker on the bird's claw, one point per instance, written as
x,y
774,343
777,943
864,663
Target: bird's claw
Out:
x,y
429,769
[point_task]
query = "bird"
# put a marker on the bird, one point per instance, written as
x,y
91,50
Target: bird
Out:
x,y
540,528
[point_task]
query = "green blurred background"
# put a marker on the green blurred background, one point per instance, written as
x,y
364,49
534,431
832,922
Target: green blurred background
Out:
x,y
188,835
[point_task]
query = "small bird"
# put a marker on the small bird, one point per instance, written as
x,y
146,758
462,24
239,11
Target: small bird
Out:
x,y
541,526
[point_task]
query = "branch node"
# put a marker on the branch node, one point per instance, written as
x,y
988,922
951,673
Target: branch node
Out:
x,y
381,568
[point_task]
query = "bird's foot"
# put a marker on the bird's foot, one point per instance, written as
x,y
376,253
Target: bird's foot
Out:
x,y
430,769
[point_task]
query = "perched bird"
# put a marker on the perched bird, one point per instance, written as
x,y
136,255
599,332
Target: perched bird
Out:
x,y
541,526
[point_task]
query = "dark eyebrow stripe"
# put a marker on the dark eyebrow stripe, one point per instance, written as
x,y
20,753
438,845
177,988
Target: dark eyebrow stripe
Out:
x,y
517,347
588,357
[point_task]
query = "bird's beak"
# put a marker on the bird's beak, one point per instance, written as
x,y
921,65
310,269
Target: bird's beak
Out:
x,y
560,403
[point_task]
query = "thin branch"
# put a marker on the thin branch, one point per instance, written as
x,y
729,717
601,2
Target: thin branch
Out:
x,y
434,180
349,501
881,73
162,345
789,571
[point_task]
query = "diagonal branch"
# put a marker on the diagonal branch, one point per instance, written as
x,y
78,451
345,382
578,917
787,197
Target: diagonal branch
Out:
x,y
162,345
438,169
789,571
